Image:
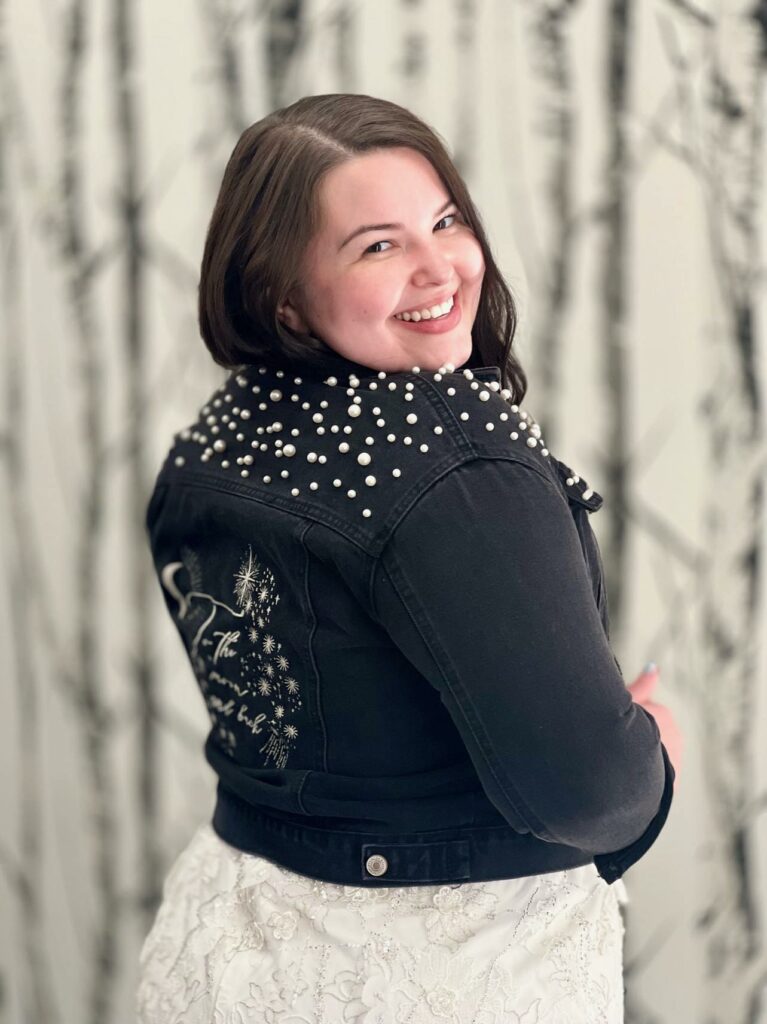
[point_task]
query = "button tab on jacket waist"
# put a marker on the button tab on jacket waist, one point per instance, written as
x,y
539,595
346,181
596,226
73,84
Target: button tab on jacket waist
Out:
x,y
376,865
417,862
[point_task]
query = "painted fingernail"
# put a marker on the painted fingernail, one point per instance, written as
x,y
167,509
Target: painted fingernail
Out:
x,y
649,667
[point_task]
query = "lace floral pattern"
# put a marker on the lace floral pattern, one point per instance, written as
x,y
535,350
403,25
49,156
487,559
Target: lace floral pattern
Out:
x,y
239,939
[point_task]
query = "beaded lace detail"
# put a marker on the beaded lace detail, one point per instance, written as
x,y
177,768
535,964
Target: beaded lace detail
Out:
x,y
238,938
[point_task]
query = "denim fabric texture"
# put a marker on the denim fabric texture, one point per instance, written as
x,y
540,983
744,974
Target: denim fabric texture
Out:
x,y
393,603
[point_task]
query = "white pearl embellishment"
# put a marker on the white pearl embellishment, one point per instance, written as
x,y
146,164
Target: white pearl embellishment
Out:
x,y
360,411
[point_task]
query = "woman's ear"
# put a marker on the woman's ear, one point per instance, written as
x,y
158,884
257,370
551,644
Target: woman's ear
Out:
x,y
290,316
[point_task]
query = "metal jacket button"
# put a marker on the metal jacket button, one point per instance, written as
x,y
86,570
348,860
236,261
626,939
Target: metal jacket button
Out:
x,y
377,864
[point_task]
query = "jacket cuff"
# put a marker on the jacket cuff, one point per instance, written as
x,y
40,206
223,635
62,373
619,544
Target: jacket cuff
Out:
x,y
612,865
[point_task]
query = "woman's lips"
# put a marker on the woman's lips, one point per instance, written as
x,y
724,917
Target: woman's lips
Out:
x,y
445,323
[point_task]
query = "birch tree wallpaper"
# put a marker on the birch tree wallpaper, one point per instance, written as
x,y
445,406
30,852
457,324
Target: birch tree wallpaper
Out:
x,y
616,150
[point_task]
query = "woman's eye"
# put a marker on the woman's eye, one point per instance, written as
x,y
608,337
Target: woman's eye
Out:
x,y
447,216
384,242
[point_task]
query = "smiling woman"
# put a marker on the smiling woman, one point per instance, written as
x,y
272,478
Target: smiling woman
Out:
x,y
335,215
351,294
431,775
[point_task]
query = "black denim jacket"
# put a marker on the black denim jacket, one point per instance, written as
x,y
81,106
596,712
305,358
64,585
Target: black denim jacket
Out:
x,y
393,603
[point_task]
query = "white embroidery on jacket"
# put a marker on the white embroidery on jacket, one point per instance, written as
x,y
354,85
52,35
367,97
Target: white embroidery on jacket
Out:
x,y
246,690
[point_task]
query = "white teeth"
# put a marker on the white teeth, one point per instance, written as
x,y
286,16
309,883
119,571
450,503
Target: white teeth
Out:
x,y
427,314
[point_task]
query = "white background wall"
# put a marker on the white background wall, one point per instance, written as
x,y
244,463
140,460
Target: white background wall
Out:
x,y
660,255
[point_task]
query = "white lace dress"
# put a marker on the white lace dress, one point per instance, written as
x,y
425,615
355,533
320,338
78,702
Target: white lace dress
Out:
x,y
239,939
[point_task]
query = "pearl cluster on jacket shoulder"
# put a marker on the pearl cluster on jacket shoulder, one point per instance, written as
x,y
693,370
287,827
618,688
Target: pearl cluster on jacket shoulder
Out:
x,y
222,414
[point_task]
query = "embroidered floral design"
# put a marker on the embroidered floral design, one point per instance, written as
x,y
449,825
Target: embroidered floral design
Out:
x,y
239,938
236,657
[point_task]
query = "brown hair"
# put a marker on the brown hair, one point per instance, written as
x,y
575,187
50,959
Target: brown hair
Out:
x,y
266,214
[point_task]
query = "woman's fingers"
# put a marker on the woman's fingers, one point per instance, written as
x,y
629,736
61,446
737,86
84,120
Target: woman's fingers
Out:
x,y
644,685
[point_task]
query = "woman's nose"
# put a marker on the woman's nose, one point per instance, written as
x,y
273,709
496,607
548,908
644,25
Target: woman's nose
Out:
x,y
432,266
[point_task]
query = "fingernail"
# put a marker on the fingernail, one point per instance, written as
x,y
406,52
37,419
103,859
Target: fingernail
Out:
x,y
649,667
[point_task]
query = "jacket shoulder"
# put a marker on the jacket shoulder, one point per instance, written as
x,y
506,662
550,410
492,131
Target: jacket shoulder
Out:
x,y
354,454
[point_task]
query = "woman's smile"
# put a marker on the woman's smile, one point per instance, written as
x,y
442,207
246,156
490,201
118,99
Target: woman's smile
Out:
x,y
437,325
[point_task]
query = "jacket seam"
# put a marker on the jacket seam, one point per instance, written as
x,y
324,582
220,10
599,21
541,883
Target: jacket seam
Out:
x,y
299,791
193,478
310,641
470,830
372,546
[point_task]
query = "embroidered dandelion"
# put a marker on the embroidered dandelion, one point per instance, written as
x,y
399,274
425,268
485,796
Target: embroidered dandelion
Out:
x,y
245,580
212,627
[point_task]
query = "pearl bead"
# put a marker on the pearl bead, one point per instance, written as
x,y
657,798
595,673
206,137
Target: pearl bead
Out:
x,y
250,421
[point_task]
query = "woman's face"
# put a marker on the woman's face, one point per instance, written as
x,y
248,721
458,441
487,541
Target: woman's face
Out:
x,y
420,254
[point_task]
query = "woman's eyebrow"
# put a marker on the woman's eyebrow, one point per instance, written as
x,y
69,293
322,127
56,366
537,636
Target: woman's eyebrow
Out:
x,y
385,227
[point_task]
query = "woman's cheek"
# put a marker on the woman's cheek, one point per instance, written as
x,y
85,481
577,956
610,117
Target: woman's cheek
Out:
x,y
475,260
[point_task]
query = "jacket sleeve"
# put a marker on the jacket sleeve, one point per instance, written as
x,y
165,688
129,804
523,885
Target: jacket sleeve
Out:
x,y
484,587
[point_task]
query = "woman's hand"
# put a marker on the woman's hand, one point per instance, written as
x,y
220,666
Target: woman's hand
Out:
x,y
641,691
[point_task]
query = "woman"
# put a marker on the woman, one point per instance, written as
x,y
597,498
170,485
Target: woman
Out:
x,y
431,774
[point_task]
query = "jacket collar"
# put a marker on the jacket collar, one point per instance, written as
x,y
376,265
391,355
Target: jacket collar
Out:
x,y
332,363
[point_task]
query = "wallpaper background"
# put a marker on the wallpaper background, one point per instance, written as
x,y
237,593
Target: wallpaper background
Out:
x,y
616,151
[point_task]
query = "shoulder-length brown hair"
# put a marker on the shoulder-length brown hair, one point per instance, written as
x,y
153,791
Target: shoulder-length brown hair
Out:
x,y
266,214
